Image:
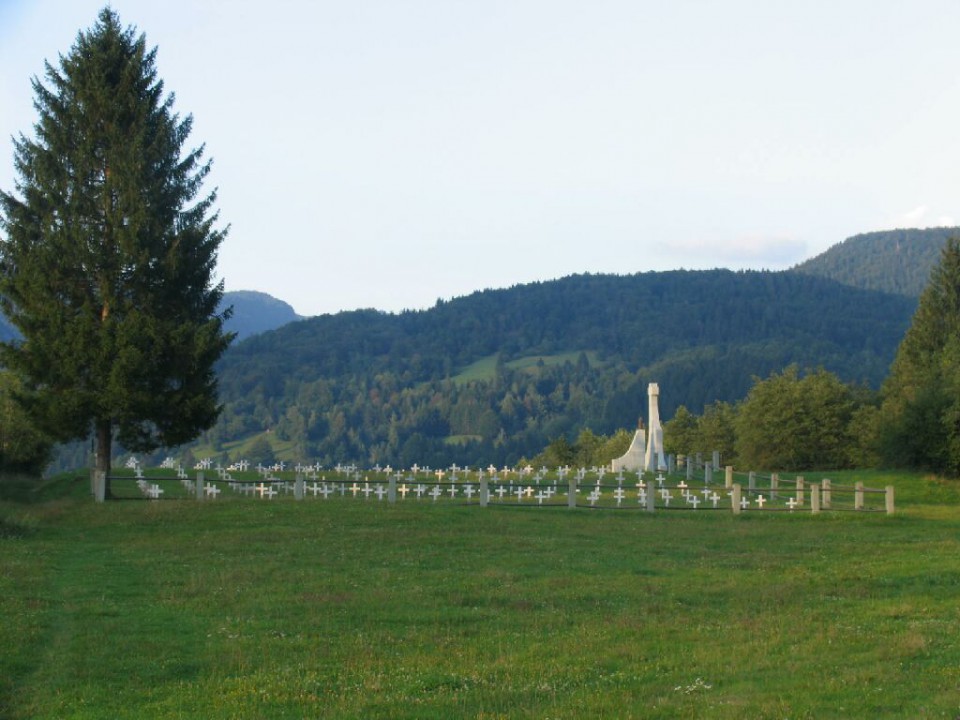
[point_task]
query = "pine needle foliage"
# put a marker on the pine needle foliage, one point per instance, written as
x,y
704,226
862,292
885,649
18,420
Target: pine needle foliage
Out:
x,y
921,409
108,253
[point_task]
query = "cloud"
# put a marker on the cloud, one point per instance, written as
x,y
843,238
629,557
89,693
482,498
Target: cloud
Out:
x,y
743,251
920,217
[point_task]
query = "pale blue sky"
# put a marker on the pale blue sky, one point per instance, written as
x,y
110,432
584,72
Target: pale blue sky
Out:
x,y
388,153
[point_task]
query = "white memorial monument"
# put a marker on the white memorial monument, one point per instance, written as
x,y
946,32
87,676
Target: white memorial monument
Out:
x,y
646,449
635,456
654,460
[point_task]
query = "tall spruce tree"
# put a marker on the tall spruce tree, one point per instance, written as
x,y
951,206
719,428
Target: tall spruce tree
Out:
x,y
107,263
920,424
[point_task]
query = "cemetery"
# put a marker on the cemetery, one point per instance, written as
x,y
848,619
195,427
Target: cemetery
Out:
x,y
702,487
644,478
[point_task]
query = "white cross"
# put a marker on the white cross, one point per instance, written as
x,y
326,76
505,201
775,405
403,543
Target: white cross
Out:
x,y
594,496
665,494
211,489
715,499
500,492
419,490
693,500
642,497
744,502
519,493
619,494
468,491
792,503
381,491
761,500
325,491
541,496
354,489
403,490
453,491
367,490
435,492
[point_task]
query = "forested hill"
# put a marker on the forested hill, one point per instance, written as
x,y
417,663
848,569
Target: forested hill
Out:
x,y
256,312
896,261
377,387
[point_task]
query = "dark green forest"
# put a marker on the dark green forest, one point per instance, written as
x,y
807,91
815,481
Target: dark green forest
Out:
x,y
895,261
497,375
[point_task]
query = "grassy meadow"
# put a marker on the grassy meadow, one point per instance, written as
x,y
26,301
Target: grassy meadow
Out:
x,y
345,608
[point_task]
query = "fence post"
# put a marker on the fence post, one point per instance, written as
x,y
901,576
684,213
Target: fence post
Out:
x,y
298,487
825,493
728,478
774,485
99,485
858,496
889,499
716,459
572,491
198,487
735,499
392,489
800,490
707,474
651,497
752,480
814,498
689,468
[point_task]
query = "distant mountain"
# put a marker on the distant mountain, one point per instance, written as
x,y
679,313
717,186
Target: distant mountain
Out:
x,y
256,312
895,261
494,376
7,331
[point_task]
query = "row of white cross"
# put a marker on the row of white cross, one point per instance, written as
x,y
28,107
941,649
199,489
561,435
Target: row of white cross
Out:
x,y
268,490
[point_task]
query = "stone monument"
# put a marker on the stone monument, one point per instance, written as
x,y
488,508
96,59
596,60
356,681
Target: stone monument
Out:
x,y
654,459
635,456
646,449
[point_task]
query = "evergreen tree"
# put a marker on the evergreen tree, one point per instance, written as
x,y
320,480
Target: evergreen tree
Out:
x,y
22,447
920,424
109,252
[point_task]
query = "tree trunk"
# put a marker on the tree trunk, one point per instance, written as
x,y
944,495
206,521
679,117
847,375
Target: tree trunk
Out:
x,y
104,451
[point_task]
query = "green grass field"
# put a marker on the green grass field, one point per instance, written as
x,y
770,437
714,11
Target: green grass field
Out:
x,y
485,368
353,609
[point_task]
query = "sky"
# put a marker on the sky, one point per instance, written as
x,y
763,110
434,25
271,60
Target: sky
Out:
x,y
389,153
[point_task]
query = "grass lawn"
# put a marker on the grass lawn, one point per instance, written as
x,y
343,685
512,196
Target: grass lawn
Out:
x,y
347,608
